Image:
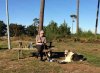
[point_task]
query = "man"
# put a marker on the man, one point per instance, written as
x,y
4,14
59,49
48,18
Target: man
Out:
x,y
40,44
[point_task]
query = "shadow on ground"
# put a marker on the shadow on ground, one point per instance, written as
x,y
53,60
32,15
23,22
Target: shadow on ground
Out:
x,y
3,48
54,54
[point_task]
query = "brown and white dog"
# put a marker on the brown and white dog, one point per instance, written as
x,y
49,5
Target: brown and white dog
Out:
x,y
71,56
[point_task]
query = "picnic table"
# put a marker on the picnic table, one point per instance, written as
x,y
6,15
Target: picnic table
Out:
x,y
30,47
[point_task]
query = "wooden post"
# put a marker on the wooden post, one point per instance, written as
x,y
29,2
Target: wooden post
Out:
x,y
20,50
18,54
97,17
50,45
41,20
77,21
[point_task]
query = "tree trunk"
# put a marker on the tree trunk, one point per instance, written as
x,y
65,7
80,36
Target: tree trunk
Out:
x,y
77,21
96,26
41,20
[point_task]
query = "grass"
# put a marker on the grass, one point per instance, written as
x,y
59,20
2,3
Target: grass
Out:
x,y
89,50
10,64
27,65
93,59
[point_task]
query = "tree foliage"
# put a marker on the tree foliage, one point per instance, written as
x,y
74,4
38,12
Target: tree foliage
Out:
x,y
36,21
31,30
85,34
3,29
53,31
16,30
64,29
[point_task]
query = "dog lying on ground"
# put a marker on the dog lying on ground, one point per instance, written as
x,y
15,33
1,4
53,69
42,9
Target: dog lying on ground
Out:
x,y
71,56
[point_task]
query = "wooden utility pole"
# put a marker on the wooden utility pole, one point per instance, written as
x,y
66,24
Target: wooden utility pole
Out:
x,y
77,19
41,20
96,26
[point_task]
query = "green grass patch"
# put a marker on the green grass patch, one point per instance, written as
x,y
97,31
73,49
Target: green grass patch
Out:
x,y
92,58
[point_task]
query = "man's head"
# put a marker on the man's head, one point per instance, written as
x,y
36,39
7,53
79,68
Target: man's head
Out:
x,y
41,33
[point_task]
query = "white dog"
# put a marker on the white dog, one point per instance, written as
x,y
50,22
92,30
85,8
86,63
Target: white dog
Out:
x,y
68,57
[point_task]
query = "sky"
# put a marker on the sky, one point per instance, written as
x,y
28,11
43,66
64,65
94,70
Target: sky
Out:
x,y
24,11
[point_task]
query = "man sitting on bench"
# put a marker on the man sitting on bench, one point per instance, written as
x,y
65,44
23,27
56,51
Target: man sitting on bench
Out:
x,y
40,43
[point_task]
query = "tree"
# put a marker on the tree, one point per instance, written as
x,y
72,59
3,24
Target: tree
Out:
x,y
77,22
36,24
36,21
51,30
55,32
41,15
97,17
31,30
3,29
16,30
52,27
64,29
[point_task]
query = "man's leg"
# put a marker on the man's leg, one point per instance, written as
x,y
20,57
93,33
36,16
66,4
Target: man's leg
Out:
x,y
38,50
41,52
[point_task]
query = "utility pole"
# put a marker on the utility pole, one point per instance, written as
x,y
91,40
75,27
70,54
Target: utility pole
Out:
x,y
7,20
77,21
72,25
41,20
96,26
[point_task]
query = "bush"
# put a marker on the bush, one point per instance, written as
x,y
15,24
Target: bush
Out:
x,y
98,36
3,29
53,32
85,34
90,39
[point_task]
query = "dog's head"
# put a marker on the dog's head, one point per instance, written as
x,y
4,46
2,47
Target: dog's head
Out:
x,y
66,52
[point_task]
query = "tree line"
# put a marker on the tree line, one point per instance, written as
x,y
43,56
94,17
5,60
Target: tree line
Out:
x,y
52,29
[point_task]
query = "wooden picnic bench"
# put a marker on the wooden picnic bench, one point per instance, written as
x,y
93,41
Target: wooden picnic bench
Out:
x,y
29,47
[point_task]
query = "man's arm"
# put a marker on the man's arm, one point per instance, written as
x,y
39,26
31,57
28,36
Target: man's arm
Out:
x,y
38,40
45,41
